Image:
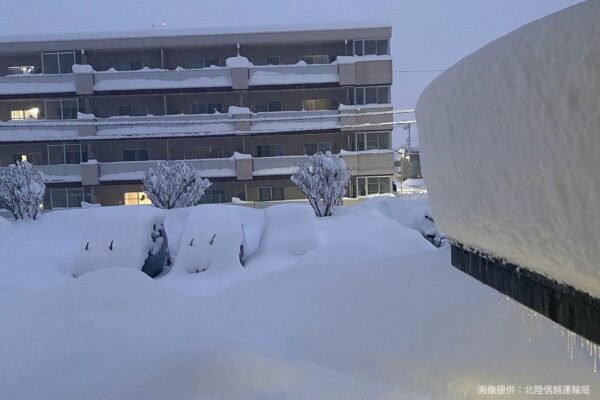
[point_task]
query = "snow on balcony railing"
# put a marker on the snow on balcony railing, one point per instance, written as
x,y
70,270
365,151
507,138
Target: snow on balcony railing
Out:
x,y
60,173
147,78
284,120
134,170
284,165
12,132
300,73
37,83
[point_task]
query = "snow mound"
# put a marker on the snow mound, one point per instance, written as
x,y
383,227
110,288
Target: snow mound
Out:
x,y
510,144
115,237
291,229
237,62
211,240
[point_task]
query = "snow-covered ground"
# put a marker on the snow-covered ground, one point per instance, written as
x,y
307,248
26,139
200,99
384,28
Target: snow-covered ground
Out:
x,y
355,306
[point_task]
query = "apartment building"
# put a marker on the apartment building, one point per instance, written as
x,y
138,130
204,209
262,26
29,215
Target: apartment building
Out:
x,y
93,113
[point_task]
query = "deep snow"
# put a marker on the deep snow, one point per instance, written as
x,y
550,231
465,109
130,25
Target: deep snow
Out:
x,y
365,308
510,144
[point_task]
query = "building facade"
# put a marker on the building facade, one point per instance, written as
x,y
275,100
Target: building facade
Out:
x,y
94,113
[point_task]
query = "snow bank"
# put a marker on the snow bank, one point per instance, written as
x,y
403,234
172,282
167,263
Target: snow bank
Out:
x,y
290,229
212,240
510,144
115,237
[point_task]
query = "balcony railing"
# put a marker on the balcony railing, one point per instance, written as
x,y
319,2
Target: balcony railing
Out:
x,y
86,81
293,74
36,83
162,79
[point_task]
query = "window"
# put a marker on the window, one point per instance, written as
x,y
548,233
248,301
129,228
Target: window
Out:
x,y
66,154
269,150
199,62
206,108
213,196
126,64
270,194
267,106
370,185
313,148
266,60
32,158
315,59
58,62
136,155
371,47
31,113
23,70
315,104
135,198
65,197
132,110
372,95
372,140
61,108
210,152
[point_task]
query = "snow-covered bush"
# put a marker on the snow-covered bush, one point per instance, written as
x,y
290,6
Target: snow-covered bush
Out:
x,y
22,190
323,179
174,185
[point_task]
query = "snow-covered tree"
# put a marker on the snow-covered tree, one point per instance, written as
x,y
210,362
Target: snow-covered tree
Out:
x,y
174,185
22,190
323,179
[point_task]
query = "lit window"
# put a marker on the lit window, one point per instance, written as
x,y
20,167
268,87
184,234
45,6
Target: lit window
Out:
x,y
315,104
22,70
136,198
31,113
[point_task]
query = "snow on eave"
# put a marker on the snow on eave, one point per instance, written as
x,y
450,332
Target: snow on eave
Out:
x,y
161,32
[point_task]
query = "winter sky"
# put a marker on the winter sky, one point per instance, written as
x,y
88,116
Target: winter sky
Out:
x,y
428,35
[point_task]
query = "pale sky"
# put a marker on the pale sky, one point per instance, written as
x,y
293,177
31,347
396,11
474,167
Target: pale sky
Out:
x,y
427,34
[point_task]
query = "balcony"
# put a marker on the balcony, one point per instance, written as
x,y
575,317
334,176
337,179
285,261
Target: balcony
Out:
x,y
239,74
41,84
300,73
157,79
134,170
238,121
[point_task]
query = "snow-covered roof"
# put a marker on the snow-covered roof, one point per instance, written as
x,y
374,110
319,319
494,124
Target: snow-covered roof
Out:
x,y
203,36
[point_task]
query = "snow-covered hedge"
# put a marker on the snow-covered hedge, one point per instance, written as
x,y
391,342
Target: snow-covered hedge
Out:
x,y
22,190
174,185
323,179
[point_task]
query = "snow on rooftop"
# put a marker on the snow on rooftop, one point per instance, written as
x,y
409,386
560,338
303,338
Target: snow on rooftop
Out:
x,y
97,33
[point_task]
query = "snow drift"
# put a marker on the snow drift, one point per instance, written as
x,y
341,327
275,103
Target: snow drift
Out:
x,y
291,229
115,237
510,144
